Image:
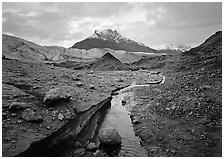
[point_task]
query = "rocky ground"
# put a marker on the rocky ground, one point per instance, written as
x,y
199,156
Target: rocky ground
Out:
x,y
183,116
25,85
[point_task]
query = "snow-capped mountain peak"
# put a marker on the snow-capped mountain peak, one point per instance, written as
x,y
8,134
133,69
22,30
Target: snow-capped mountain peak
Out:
x,y
108,34
109,38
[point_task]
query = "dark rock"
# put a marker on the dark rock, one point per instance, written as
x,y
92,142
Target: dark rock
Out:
x,y
31,116
77,144
114,93
92,86
123,102
109,136
120,80
18,106
79,84
56,94
4,115
135,121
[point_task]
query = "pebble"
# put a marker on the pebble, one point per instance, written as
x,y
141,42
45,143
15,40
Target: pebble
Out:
x,y
79,152
96,153
91,146
60,116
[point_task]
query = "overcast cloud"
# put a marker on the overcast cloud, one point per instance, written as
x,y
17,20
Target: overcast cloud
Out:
x,y
154,24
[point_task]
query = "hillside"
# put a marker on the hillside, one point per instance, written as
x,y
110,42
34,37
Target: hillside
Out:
x,y
108,63
208,55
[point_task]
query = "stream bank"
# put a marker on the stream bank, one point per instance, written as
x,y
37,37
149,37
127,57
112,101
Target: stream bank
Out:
x,y
84,129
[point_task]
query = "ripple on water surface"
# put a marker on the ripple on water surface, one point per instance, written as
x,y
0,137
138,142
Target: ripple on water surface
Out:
x,y
118,118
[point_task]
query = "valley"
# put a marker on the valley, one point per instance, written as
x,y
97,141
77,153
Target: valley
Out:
x,y
172,101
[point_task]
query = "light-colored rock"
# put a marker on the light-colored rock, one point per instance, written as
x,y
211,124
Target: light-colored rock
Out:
x,y
77,144
79,84
31,116
18,106
13,115
92,86
91,146
60,116
79,152
56,94
109,136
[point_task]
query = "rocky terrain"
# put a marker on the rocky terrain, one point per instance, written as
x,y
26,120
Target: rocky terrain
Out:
x,y
183,116
49,110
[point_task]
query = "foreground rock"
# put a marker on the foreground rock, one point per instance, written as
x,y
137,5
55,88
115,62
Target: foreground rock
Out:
x,y
109,136
17,106
56,94
31,116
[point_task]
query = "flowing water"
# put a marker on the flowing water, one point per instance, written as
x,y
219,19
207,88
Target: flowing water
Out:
x,y
118,118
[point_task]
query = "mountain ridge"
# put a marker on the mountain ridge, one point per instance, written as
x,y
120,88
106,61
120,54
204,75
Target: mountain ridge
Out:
x,y
111,39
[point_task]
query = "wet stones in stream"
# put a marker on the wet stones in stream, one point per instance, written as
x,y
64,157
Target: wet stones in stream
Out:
x,y
109,137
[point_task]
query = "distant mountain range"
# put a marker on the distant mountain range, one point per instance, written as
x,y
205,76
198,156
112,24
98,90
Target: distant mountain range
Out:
x,y
17,48
113,40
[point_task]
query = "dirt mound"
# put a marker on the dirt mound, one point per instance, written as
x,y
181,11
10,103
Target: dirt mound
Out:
x,y
108,63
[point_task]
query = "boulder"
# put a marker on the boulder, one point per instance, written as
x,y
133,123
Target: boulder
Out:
x,y
31,116
56,94
109,136
91,146
18,106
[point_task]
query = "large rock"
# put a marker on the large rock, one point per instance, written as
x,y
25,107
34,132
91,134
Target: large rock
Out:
x,y
109,136
18,106
56,94
31,116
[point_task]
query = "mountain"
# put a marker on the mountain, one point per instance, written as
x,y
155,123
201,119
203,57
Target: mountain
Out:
x,y
207,55
113,40
17,48
108,63
23,50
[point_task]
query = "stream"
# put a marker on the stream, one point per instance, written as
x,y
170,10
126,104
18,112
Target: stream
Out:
x,y
118,117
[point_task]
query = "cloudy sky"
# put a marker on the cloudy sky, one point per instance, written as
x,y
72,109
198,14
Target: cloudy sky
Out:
x,y
154,24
